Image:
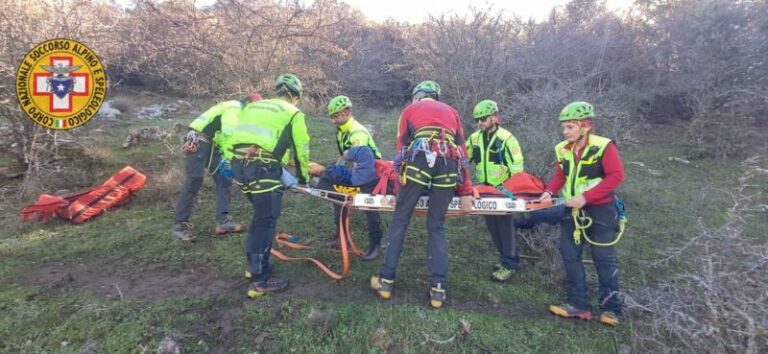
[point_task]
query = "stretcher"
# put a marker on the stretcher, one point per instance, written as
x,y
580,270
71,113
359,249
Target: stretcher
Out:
x,y
483,205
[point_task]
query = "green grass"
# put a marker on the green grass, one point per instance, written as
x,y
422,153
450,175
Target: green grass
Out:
x,y
41,313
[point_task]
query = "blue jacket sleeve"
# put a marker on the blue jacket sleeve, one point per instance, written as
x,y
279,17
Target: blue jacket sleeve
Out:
x,y
364,171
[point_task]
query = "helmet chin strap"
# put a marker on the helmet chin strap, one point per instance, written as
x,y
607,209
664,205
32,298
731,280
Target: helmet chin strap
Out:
x,y
584,131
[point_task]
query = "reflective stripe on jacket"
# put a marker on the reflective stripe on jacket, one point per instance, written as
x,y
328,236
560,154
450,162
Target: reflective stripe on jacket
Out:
x,y
496,162
276,126
352,133
588,172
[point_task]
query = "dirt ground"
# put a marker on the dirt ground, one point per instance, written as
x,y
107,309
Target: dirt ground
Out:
x,y
159,284
153,284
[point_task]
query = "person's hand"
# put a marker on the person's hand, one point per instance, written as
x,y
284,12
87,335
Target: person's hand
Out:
x,y
316,169
467,201
545,197
576,202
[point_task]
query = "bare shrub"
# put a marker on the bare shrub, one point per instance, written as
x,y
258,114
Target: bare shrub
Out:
x,y
728,126
705,57
234,46
711,135
717,302
712,52
97,153
123,104
162,186
583,52
543,243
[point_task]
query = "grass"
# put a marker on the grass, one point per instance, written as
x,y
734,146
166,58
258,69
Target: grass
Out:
x,y
131,246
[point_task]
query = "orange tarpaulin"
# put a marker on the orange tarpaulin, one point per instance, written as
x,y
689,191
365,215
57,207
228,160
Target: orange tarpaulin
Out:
x,y
90,203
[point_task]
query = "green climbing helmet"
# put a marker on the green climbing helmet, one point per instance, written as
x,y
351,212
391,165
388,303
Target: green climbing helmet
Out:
x,y
427,86
290,82
338,104
577,111
484,109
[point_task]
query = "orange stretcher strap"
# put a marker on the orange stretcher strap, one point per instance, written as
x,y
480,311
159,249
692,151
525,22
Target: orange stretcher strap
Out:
x,y
346,244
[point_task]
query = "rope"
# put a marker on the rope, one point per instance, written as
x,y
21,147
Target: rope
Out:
x,y
582,222
346,244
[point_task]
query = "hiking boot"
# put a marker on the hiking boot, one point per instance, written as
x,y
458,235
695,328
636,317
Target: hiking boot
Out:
x,y
502,274
228,226
569,311
373,252
382,287
609,318
182,231
437,296
261,288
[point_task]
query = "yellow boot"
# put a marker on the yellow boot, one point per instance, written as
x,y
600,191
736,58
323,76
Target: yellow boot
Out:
x,y
261,288
382,287
570,311
609,318
437,296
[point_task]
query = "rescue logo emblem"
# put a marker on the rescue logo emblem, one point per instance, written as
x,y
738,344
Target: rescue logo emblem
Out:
x,y
61,84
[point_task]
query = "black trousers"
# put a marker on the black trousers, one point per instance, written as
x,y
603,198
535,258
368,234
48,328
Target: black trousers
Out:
x,y
502,230
603,230
255,179
439,199
206,157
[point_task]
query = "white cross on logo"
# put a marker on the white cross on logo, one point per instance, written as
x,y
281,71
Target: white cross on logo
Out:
x,y
42,86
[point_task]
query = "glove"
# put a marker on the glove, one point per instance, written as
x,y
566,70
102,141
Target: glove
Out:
x,y
340,174
397,161
288,180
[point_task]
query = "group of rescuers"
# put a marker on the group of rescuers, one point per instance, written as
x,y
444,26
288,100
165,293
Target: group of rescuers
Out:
x,y
259,136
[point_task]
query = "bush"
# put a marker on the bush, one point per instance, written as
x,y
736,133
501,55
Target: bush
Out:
x,y
717,303
711,136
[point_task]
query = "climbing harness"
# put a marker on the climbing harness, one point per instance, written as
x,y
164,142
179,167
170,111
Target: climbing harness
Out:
x,y
434,143
251,153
